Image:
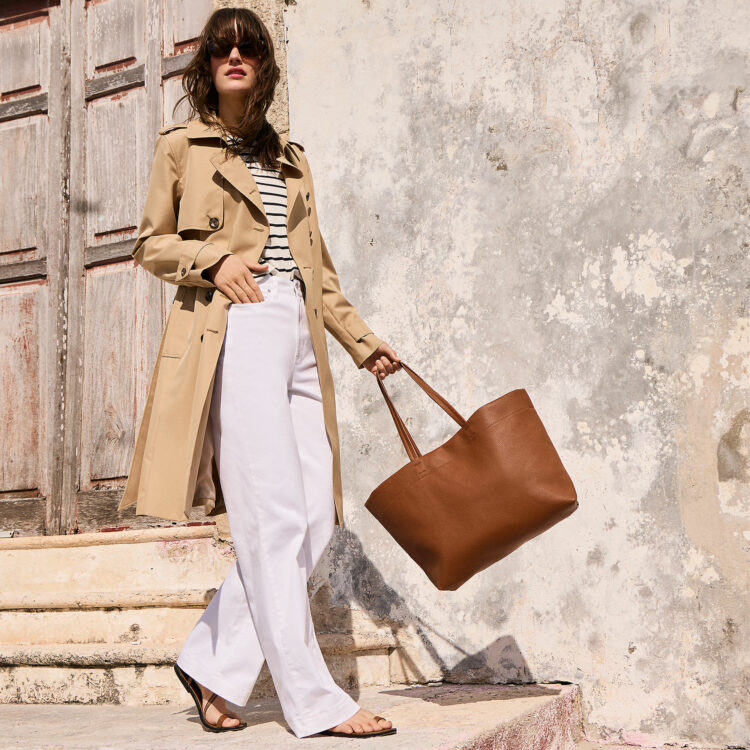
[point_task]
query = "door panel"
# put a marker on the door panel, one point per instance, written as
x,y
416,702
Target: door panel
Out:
x,y
31,296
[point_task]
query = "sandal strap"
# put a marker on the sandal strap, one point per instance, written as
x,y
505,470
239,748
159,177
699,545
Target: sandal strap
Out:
x,y
193,683
220,721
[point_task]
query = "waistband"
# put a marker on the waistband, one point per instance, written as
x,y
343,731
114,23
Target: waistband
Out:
x,y
280,283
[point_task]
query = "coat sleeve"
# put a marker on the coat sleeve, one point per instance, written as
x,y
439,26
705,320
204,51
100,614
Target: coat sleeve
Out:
x,y
158,248
340,317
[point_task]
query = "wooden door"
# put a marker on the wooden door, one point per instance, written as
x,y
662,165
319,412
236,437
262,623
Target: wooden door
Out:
x,y
84,88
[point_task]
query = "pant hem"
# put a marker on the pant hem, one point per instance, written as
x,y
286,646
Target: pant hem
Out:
x,y
342,712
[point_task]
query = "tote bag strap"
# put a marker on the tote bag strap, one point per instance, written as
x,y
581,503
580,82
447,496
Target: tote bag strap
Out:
x,y
411,447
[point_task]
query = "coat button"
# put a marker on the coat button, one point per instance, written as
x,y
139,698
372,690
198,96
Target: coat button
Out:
x,y
308,196
209,295
213,222
183,271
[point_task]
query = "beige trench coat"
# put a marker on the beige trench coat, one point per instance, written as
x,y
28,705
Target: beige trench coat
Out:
x,y
201,205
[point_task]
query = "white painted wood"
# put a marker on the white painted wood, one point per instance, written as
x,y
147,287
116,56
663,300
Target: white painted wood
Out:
x,y
21,378
23,170
183,21
113,35
24,50
110,168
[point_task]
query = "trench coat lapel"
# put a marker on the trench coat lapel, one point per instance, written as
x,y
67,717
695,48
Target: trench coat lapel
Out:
x,y
235,171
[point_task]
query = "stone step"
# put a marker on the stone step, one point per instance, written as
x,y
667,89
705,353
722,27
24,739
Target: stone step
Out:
x,y
120,654
57,569
117,626
100,618
129,674
427,717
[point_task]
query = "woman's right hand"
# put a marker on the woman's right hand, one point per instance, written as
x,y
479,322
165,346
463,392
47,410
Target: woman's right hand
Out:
x,y
233,276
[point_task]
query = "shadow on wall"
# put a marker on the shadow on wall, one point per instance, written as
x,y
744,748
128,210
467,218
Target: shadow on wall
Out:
x,y
500,662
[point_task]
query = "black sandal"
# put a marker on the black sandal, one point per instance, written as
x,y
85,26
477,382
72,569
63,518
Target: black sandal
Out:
x,y
390,730
194,689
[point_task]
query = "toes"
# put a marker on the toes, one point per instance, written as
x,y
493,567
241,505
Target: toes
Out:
x,y
369,723
342,728
374,723
227,721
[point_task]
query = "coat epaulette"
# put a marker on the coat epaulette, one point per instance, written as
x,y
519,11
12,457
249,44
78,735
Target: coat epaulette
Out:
x,y
297,145
173,126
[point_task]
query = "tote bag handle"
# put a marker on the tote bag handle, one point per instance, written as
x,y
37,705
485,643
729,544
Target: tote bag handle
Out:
x,y
411,447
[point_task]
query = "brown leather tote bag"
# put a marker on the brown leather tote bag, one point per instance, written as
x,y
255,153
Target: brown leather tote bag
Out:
x,y
495,484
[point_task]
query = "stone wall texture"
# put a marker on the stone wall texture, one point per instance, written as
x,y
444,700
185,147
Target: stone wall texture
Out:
x,y
552,195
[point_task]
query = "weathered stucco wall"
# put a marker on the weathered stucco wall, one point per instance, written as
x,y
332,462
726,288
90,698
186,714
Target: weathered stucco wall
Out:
x,y
553,195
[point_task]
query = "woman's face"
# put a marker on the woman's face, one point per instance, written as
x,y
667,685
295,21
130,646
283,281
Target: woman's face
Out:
x,y
233,74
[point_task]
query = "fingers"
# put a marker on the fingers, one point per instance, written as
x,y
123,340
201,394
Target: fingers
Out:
x,y
242,294
229,293
235,279
245,289
392,354
383,366
248,284
251,288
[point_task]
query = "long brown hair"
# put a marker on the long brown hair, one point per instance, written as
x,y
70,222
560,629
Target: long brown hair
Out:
x,y
203,99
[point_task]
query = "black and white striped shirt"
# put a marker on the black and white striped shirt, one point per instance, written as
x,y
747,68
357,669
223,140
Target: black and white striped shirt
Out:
x,y
276,253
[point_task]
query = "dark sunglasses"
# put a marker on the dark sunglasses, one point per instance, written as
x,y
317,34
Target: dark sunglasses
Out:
x,y
246,49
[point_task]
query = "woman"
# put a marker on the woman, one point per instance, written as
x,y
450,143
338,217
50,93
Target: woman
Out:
x,y
266,420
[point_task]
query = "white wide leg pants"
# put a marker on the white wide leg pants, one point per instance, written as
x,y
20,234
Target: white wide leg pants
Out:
x,y
274,462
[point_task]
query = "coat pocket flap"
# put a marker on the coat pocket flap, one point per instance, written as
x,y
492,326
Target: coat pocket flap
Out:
x,y
202,209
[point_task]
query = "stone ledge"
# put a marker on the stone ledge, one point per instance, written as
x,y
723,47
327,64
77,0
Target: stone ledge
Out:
x,y
127,654
125,536
106,600
87,655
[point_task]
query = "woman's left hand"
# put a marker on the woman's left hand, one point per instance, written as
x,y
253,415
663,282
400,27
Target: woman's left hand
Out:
x,y
383,361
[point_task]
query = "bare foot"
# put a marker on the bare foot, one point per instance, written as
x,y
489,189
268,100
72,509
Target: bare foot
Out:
x,y
362,721
214,706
